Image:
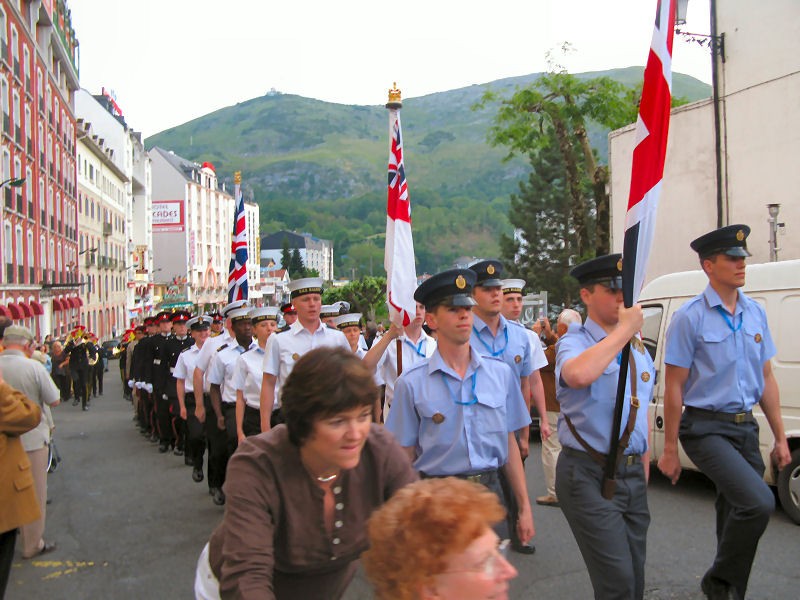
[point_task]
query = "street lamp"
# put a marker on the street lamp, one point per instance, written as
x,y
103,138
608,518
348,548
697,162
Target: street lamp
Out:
x,y
774,226
13,182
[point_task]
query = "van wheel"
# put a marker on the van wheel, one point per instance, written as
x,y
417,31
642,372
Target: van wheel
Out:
x,y
789,487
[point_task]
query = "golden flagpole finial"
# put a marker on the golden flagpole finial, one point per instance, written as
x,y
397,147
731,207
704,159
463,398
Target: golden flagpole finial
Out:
x,y
237,177
395,100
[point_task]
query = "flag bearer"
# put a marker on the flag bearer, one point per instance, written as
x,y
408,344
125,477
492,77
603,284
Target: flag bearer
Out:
x,y
611,534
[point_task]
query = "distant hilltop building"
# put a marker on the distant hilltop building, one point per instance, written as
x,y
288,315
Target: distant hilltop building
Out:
x,y
316,253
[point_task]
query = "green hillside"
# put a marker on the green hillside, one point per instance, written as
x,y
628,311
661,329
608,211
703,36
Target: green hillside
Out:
x,y
321,167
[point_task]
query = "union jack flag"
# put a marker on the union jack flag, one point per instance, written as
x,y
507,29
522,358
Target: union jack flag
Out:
x,y
401,272
652,131
237,272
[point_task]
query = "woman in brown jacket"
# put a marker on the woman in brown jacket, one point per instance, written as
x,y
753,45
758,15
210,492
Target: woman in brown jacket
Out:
x,y
17,496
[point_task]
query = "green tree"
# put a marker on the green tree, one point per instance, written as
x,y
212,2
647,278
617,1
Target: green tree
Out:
x,y
286,254
297,269
366,296
560,106
544,239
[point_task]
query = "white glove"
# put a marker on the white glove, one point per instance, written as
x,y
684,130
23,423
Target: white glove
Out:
x,y
164,397
139,385
148,387
130,383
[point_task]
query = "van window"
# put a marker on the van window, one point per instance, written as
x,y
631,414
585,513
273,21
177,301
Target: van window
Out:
x,y
652,325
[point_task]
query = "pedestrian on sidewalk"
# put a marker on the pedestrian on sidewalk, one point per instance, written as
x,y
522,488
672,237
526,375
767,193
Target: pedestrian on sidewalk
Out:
x,y
30,377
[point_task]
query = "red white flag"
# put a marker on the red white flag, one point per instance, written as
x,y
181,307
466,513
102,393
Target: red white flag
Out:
x,y
401,272
652,130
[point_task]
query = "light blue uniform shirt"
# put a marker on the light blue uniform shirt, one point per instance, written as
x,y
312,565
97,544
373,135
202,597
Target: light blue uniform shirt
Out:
x,y
512,344
591,409
468,437
725,361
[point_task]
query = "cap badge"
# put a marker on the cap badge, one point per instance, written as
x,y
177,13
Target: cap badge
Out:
x,y
740,235
438,418
461,283
757,338
619,265
645,376
490,269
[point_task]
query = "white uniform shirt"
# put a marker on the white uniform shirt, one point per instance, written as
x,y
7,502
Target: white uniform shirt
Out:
x,y
538,359
220,371
386,370
284,349
247,376
210,349
184,369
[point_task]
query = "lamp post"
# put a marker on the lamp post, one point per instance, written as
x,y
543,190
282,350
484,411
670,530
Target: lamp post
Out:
x,y
774,209
13,182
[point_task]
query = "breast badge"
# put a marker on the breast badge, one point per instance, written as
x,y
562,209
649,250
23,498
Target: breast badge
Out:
x,y
758,338
645,376
295,356
438,418
517,359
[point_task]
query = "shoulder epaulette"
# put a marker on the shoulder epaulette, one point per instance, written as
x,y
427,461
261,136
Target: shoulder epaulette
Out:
x,y
221,348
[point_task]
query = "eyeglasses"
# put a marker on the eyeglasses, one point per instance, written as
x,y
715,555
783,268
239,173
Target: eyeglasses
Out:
x,y
492,564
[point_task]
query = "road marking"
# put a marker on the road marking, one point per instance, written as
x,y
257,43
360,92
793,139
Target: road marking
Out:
x,y
63,567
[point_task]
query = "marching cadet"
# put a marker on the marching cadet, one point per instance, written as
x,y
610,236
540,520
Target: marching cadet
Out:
x,y
223,394
217,323
350,326
97,366
143,359
215,437
416,346
289,313
184,388
248,372
718,351
170,423
611,534
457,412
80,352
328,313
284,349
139,333
493,335
154,375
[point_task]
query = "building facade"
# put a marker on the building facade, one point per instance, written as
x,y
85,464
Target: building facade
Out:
x,y
39,284
102,239
126,152
759,132
316,253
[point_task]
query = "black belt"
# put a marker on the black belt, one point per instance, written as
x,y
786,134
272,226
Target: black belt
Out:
x,y
625,461
482,477
737,418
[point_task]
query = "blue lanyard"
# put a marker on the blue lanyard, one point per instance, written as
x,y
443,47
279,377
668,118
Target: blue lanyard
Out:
x,y
417,348
453,396
490,349
721,311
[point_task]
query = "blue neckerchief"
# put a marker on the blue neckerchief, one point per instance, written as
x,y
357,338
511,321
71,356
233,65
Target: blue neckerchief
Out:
x,y
490,349
728,322
417,348
453,396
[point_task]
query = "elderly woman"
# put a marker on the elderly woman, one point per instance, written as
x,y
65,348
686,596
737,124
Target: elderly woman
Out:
x,y
434,539
299,495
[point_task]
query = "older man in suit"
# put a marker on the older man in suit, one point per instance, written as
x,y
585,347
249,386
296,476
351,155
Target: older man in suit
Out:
x,y
17,495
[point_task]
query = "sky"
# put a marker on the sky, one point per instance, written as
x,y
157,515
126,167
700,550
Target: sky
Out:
x,y
170,61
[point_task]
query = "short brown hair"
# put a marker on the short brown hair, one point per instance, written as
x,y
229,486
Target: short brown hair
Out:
x,y
415,533
324,382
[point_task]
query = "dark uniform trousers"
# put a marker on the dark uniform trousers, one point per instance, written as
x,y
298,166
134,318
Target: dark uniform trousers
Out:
x,y
251,423
231,435
217,446
611,534
195,444
80,383
97,374
148,410
166,436
728,454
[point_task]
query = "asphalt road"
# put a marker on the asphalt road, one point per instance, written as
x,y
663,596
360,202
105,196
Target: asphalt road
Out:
x,y
130,523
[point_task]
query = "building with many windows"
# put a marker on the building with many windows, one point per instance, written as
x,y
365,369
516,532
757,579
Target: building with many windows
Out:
x,y
192,226
102,241
124,253
39,284
316,253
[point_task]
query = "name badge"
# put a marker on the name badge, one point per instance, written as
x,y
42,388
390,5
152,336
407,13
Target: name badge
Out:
x,y
172,369
156,361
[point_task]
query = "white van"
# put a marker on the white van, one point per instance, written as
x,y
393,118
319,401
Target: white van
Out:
x,y
776,286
